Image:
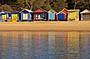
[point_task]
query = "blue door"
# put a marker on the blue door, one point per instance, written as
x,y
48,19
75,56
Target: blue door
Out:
x,y
61,17
51,16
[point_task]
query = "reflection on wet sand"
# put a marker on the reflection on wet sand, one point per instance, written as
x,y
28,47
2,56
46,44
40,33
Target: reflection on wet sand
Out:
x,y
44,45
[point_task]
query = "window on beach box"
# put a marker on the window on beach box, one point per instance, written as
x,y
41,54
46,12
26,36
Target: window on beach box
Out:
x,y
39,16
36,17
42,16
4,17
14,17
25,16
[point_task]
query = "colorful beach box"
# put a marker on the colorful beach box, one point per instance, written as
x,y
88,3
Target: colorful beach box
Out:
x,y
40,15
4,16
73,15
26,15
14,16
51,15
85,15
62,15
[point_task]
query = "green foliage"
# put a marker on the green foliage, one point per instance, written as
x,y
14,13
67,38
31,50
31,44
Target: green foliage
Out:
x,y
6,8
40,4
83,5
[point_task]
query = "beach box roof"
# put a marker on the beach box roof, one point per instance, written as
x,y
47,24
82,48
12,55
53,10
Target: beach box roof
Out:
x,y
51,11
3,12
65,11
85,11
40,11
26,11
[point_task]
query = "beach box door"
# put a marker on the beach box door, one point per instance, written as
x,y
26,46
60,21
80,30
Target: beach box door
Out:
x,y
73,16
25,16
51,16
14,17
60,16
42,16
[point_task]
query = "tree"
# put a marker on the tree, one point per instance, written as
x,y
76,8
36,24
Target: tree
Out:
x,y
27,3
1,8
6,8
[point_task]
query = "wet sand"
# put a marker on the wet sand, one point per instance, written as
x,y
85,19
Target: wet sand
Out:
x,y
45,40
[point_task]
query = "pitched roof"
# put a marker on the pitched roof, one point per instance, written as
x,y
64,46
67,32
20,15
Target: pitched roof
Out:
x,y
40,11
85,11
3,12
51,11
60,13
27,10
65,11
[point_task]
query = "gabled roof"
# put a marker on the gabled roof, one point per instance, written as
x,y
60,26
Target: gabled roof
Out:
x,y
65,11
85,11
40,11
3,12
51,11
27,10
60,12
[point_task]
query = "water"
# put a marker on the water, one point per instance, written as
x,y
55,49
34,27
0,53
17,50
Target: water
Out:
x,y
44,45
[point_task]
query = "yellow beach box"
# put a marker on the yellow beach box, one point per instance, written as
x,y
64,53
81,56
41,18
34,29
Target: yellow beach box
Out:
x,y
73,15
14,16
85,15
4,16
